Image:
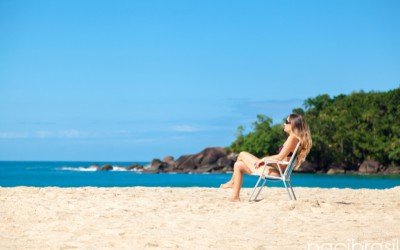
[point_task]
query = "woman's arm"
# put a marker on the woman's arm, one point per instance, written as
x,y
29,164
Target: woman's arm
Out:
x,y
270,157
289,146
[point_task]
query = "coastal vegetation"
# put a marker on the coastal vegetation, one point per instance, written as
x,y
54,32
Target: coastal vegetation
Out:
x,y
347,131
355,133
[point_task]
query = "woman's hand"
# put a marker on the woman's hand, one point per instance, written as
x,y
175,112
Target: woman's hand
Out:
x,y
259,164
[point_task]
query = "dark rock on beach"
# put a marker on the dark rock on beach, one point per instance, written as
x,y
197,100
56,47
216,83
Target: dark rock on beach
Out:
x,y
135,167
369,167
155,166
336,171
224,161
217,160
155,163
307,167
204,169
212,159
205,161
169,160
158,166
392,170
179,162
232,156
106,167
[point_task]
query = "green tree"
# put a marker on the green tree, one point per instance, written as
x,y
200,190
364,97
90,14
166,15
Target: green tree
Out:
x,y
346,130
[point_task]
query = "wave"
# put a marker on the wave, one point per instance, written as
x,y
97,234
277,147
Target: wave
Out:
x,y
116,168
121,169
83,169
93,168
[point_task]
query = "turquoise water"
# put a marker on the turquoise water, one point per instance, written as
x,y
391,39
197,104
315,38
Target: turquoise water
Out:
x,y
77,174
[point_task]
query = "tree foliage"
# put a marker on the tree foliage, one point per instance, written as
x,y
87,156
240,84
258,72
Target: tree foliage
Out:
x,y
263,140
346,130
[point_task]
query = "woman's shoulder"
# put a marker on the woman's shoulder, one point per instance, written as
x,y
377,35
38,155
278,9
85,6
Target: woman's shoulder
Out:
x,y
292,139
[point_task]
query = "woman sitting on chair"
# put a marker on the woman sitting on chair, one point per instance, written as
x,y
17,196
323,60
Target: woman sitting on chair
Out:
x,y
246,163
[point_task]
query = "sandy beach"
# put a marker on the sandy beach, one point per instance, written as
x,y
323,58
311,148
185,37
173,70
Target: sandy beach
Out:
x,y
196,218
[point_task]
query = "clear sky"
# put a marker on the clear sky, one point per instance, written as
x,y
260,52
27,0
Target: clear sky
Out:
x,y
137,80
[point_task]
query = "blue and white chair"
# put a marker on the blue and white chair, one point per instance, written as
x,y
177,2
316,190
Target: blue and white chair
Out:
x,y
284,176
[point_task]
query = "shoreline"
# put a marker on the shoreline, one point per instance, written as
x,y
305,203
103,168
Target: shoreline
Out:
x,y
161,217
76,179
191,187
146,167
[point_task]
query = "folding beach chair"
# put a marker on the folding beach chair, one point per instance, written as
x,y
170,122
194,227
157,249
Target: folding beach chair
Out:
x,y
284,177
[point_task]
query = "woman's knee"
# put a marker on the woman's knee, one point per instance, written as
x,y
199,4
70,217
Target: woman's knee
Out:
x,y
238,166
241,155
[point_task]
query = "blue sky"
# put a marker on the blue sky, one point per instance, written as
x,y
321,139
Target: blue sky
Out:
x,y
137,80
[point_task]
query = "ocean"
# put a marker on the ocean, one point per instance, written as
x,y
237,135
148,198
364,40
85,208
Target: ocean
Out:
x,y
78,174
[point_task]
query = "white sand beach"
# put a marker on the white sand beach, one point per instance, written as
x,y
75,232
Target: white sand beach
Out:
x,y
196,218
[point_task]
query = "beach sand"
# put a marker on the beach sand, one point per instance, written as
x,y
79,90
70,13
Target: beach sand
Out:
x,y
196,218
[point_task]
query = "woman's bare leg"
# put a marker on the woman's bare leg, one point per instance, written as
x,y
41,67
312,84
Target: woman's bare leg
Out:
x,y
229,184
239,170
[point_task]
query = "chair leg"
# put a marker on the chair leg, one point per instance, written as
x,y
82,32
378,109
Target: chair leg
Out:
x,y
287,189
255,187
259,190
291,189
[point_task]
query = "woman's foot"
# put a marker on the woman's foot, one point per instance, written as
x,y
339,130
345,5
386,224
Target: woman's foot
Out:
x,y
229,184
234,199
